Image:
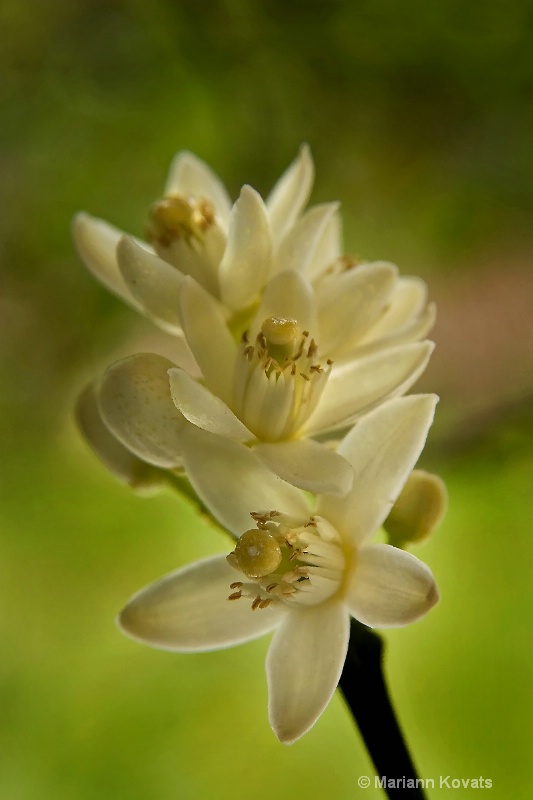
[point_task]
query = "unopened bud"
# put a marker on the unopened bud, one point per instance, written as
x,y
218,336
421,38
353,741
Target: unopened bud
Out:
x,y
418,510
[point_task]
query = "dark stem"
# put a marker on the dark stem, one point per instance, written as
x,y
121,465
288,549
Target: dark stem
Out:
x,y
363,685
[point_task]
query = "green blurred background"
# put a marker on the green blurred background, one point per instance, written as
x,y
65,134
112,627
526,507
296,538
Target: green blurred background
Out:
x,y
420,118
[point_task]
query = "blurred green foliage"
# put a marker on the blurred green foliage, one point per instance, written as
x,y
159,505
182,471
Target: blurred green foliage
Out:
x,y
420,118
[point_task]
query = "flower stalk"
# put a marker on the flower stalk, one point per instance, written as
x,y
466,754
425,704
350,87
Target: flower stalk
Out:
x,y
365,690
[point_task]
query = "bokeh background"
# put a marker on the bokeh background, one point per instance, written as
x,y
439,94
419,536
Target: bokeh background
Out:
x,y
420,118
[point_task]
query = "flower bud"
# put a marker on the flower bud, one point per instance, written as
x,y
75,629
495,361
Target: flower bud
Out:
x,y
418,510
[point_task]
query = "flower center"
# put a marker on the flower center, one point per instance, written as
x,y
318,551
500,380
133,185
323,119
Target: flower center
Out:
x,y
278,380
177,217
285,560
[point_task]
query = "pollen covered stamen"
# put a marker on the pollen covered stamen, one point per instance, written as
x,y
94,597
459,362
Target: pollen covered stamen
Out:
x,y
287,560
177,217
278,380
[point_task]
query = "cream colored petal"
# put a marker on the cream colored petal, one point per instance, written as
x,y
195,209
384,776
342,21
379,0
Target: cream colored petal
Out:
x,y
136,405
406,303
308,465
350,303
304,665
328,249
290,194
208,337
96,242
247,259
389,588
204,409
298,248
154,283
232,482
288,295
356,387
192,177
383,448
189,611
412,331
117,458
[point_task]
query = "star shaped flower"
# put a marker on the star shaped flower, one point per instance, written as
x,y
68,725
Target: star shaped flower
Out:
x,y
295,570
272,391
232,251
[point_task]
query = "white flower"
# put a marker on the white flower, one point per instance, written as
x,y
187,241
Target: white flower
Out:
x,y
233,251
300,571
277,390
194,230
280,387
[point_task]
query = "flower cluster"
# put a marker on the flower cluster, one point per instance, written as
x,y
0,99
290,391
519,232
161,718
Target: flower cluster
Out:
x,y
292,431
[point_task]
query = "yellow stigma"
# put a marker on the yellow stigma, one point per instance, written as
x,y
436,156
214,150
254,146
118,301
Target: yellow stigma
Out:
x,y
280,331
257,553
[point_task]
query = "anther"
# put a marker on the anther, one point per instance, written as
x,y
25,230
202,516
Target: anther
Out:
x,y
236,585
256,603
235,595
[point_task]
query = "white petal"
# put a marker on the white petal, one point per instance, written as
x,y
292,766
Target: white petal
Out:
x,y
328,250
290,194
246,263
136,405
358,386
96,242
383,448
389,587
298,248
232,482
189,611
192,177
117,458
208,337
406,302
154,283
304,664
288,295
308,465
350,303
204,409
412,331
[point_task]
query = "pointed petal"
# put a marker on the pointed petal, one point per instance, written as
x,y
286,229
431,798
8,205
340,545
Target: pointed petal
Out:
x,y
383,448
308,465
328,250
288,295
303,666
389,588
96,242
298,248
154,283
406,303
208,337
204,409
136,405
192,177
412,331
189,611
350,303
119,460
232,482
246,263
358,386
290,194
